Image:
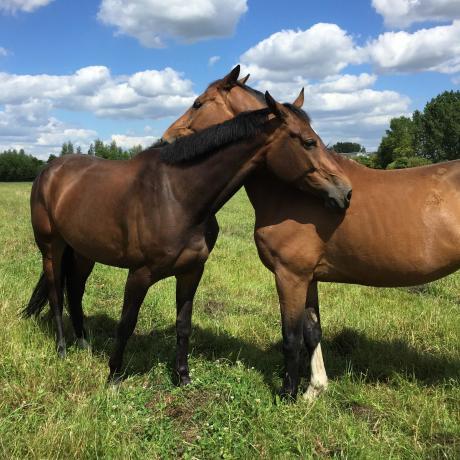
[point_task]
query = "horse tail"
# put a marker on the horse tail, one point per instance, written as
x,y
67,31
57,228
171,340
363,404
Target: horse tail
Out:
x,y
38,300
39,297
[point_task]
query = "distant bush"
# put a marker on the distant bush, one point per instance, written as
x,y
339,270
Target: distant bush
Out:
x,y
16,166
408,162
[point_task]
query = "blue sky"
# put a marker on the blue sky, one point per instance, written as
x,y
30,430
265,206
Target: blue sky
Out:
x,y
124,70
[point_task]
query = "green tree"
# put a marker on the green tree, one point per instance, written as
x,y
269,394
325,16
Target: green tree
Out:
x,y
17,166
348,147
398,142
133,151
438,128
51,158
67,148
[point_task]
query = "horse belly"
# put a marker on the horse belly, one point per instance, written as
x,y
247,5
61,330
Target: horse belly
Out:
x,y
421,251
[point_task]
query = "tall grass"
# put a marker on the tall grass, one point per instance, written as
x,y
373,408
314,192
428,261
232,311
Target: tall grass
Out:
x,y
393,357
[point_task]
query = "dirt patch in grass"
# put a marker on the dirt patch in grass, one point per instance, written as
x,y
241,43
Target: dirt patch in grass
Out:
x,y
367,414
182,408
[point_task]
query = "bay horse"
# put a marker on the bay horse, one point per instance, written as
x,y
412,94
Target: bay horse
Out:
x,y
402,228
154,214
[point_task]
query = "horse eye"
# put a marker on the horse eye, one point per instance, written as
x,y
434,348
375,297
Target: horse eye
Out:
x,y
309,143
197,104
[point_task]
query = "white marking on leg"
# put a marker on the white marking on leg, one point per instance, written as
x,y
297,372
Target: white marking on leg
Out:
x,y
318,380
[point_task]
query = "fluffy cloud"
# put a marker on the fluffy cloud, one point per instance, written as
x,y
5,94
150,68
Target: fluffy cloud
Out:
x,y
343,107
11,6
154,21
434,49
402,13
126,141
147,94
31,127
28,102
213,60
320,51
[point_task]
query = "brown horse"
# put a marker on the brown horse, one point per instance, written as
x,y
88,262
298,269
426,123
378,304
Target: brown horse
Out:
x,y
402,228
154,214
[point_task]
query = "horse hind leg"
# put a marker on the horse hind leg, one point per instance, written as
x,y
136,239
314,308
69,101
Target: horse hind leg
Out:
x,y
312,334
76,276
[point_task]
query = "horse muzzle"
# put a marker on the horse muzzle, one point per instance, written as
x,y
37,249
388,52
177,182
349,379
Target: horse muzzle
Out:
x,y
340,201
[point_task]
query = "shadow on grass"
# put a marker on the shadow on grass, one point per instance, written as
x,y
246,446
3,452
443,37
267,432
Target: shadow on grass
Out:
x,y
349,352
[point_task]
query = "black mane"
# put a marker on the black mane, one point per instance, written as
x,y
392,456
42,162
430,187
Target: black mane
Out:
x,y
208,141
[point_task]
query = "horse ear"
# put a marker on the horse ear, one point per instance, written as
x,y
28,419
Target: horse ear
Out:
x,y
231,79
300,99
242,81
275,107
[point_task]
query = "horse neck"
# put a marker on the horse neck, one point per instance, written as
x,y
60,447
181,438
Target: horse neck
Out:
x,y
205,186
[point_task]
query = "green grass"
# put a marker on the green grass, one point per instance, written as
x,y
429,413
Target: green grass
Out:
x,y
393,357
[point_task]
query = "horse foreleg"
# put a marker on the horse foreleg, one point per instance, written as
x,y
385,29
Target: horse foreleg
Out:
x,y
79,270
136,288
292,292
312,338
186,287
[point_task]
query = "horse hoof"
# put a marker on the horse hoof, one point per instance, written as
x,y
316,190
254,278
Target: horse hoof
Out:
x,y
61,351
288,396
184,380
83,344
313,392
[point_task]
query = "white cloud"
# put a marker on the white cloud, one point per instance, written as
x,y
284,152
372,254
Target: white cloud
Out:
x,y
435,49
30,126
344,107
213,60
147,94
154,21
320,51
11,6
127,141
347,83
402,13
27,103
3,51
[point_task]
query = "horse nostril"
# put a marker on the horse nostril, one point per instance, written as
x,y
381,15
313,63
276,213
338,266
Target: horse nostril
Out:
x,y
349,195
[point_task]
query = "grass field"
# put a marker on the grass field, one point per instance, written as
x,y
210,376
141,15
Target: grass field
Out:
x,y
393,357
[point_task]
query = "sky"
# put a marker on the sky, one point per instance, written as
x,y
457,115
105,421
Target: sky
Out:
x,y
124,70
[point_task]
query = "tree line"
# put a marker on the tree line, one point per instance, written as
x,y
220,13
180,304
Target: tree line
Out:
x,y
17,166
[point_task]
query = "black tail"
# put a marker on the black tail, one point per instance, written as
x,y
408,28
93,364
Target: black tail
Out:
x,y
39,297
38,300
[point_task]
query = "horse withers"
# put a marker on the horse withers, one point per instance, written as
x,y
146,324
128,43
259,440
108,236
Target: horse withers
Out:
x,y
154,214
